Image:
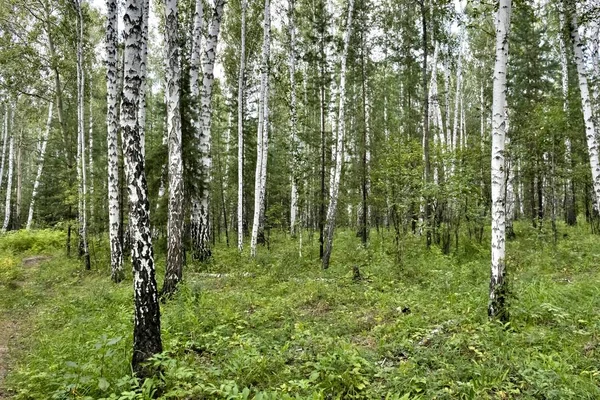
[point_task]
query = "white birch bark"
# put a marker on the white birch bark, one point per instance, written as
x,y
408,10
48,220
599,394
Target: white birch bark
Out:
x,y
81,160
293,120
174,267
146,333
331,210
457,96
200,222
586,104
4,142
91,149
112,76
143,69
42,152
241,80
497,306
263,134
8,183
196,56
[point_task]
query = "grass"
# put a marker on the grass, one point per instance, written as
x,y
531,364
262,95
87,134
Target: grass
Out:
x,y
415,328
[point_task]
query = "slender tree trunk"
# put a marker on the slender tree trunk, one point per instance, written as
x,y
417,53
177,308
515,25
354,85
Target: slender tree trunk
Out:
x,y
4,142
263,135
91,152
42,150
174,268
331,210
9,182
17,219
497,302
293,121
146,333
586,104
114,207
427,211
241,81
200,216
81,160
143,69
570,216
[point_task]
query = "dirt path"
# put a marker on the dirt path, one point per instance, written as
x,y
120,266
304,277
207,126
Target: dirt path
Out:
x,y
8,333
10,329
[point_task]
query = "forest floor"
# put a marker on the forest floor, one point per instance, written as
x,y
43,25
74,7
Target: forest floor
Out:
x,y
278,327
12,322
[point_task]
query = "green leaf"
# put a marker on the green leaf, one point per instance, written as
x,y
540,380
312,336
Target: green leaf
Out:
x,y
103,384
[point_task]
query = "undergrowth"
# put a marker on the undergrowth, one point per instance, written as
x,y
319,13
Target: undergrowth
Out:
x,y
279,327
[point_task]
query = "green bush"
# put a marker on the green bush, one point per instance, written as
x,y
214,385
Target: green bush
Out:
x,y
33,241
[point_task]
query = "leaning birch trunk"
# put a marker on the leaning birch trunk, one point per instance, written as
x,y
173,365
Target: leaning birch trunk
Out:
x,y
81,161
497,301
8,184
146,333
293,121
263,133
586,104
331,210
240,205
200,221
42,149
4,142
174,268
114,221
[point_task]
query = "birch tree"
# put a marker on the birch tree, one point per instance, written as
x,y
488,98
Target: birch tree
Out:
x,y
262,134
174,268
81,160
241,80
293,119
4,142
586,104
339,149
42,152
497,301
8,182
570,217
200,214
114,220
146,331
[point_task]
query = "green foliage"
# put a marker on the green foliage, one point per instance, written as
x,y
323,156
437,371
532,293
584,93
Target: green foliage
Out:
x,y
34,242
281,328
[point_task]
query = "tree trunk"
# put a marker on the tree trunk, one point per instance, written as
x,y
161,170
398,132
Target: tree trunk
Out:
x,y
174,267
17,220
570,216
146,332
4,142
497,302
241,81
586,104
91,152
9,182
331,210
114,217
200,214
42,150
81,160
263,135
293,121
